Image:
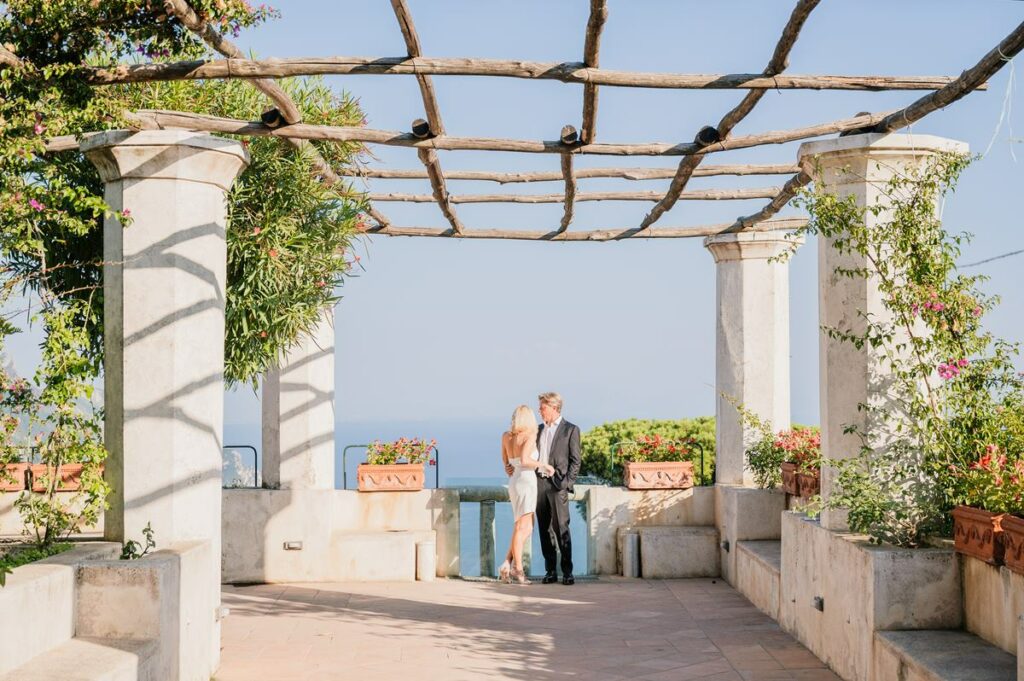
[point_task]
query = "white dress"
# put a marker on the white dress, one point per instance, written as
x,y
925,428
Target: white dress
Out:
x,y
522,486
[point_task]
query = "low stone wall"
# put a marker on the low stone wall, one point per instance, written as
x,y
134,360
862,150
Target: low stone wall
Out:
x,y
757,574
162,597
296,535
609,508
12,526
744,514
863,588
993,602
38,603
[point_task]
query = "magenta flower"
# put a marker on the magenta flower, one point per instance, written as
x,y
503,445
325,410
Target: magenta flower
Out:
x,y
38,128
36,205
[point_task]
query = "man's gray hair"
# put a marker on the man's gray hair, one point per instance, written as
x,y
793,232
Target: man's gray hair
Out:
x,y
552,399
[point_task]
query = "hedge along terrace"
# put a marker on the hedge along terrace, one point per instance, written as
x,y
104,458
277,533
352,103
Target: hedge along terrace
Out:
x,y
291,220
598,445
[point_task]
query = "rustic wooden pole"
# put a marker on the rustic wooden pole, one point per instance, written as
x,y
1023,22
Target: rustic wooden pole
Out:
x,y
969,80
570,179
435,125
286,107
741,224
191,121
637,174
487,539
569,197
776,64
591,49
566,72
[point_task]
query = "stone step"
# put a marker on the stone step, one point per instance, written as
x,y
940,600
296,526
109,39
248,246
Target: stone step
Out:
x,y
934,655
758,573
673,551
91,659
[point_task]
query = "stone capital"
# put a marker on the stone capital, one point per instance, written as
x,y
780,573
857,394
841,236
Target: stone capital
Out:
x,y
165,155
872,156
750,245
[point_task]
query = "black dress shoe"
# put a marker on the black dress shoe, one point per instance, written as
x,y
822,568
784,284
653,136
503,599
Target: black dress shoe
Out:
x,y
550,578
568,580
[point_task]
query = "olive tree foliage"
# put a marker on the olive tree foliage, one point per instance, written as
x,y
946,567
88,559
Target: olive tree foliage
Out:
x,y
289,235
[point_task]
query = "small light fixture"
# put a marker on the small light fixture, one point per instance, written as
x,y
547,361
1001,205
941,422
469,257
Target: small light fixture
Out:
x,y
725,545
819,604
293,546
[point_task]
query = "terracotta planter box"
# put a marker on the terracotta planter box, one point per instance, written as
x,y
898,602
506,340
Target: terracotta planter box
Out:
x,y
70,477
658,474
1013,542
397,477
789,485
15,471
978,533
808,484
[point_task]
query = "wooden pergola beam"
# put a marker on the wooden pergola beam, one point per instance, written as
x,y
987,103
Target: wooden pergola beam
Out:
x,y
698,195
566,72
969,80
617,234
777,63
282,100
157,119
636,174
591,50
428,156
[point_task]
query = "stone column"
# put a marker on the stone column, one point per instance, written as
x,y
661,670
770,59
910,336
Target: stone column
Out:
x,y
298,414
752,341
858,166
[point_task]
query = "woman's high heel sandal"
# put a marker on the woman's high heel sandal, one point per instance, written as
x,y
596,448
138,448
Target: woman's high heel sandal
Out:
x,y
505,572
520,577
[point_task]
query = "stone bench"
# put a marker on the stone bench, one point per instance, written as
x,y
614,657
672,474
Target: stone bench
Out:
x,y
669,552
92,659
378,556
940,655
758,574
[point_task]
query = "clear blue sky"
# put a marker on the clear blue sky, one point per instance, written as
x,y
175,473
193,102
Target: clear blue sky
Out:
x,y
444,330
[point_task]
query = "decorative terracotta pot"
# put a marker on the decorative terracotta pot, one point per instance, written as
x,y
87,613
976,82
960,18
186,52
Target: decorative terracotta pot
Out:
x,y
13,477
395,477
789,485
808,484
1013,542
70,477
658,474
978,533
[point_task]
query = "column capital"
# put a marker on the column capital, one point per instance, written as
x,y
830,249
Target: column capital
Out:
x,y
165,155
750,245
853,154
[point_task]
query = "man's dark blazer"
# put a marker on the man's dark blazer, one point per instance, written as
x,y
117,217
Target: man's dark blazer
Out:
x,y
564,455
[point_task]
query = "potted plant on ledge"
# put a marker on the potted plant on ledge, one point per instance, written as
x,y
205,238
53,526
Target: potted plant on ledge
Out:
x,y
395,466
652,462
791,457
984,525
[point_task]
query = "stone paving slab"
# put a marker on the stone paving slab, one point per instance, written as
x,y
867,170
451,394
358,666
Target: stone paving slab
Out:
x,y
603,630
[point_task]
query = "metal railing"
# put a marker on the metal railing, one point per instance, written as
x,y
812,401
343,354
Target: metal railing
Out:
x,y
255,462
344,465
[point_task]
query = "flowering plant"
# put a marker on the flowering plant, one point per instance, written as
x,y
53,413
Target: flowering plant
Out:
x,y
402,450
651,448
995,482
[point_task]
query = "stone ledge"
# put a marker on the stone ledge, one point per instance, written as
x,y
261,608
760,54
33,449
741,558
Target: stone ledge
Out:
x,y
993,602
935,655
91,659
758,574
766,551
675,552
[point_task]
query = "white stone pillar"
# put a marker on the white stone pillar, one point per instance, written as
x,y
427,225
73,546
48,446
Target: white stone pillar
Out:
x,y
752,342
858,166
163,311
298,414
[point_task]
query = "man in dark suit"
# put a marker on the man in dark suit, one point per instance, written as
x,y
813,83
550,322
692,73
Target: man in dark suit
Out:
x,y
558,443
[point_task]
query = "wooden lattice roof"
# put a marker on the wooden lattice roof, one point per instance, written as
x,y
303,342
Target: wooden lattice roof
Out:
x,y
429,135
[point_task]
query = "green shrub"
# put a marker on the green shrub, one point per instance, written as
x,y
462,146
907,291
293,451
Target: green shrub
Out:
x,y
597,444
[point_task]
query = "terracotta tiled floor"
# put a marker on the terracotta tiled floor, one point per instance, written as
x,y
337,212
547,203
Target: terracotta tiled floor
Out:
x,y
453,630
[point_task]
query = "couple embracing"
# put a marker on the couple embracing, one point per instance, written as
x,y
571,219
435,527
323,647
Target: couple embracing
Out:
x,y
542,464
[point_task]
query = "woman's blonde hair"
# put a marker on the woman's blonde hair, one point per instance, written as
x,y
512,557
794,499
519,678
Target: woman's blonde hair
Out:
x,y
523,420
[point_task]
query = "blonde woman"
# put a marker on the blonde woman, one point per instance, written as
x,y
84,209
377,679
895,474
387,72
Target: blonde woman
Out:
x,y
521,460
